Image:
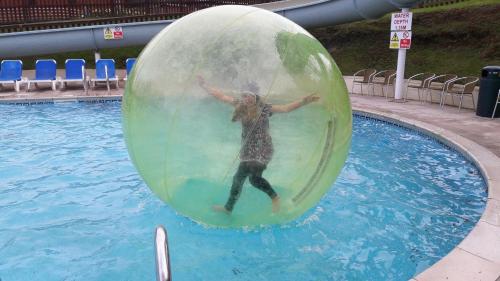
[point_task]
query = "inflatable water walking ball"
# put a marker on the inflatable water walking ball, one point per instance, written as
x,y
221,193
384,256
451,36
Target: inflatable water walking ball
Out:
x,y
238,108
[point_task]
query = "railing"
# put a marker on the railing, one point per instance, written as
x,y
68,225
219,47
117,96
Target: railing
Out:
x,y
30,11
163,272
84,22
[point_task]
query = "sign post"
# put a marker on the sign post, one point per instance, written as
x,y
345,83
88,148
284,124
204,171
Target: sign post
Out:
x,y
401,40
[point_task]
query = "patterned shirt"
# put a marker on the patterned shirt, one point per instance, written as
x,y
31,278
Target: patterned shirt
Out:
x,y
256,142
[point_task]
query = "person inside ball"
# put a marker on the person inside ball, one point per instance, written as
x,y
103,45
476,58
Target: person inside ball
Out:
x,y
256,142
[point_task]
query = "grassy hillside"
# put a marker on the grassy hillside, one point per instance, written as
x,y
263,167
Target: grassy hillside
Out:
x,y
460,38
459,5
460,41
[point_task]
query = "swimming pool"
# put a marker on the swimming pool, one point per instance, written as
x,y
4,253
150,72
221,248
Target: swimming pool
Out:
x,y
72,207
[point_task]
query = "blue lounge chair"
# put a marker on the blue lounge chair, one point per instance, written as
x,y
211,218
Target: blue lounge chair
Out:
x,y
104,72
75,72
10,73
45,72
129,63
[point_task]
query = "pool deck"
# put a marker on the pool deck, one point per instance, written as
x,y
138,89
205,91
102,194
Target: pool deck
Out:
x,y
484,131
477,257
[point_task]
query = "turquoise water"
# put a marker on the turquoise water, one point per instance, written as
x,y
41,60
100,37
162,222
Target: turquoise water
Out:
x,y
72,207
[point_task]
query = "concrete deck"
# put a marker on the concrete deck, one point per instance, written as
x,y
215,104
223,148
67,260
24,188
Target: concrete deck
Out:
x,y
484,131
477,257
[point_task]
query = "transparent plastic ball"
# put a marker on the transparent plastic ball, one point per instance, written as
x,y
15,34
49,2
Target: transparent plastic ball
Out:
x,y
236,116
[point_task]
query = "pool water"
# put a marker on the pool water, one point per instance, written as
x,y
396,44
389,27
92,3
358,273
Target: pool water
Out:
x,y
72,207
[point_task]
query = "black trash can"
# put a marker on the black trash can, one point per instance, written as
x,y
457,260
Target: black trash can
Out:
x,y
488,91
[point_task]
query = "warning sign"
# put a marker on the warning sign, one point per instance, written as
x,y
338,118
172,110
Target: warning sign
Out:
x,y
400,40
404,43
112,33
401,21
401,30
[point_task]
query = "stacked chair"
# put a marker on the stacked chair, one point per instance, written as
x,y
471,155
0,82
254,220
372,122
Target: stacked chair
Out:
x,y
440,83
384,78
427,85
463,86
445,85
420,82
363,77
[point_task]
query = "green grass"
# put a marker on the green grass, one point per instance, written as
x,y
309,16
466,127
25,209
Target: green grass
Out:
x,y
459,5
462,44
422,60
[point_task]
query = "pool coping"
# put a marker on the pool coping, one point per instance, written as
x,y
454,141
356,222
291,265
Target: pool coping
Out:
x,y
477,257
42,100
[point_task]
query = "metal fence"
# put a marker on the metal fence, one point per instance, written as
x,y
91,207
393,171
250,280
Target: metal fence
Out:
x,y
31,11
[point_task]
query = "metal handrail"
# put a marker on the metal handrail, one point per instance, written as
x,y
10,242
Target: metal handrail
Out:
x,y
163,272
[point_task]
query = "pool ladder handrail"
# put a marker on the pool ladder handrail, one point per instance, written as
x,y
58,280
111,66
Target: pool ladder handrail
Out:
x,y
163,272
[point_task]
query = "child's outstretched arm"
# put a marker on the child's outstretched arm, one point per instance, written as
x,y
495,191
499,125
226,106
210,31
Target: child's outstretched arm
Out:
x,y
218,94
294,105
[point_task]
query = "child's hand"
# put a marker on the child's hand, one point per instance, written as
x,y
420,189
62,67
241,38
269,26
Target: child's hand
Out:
x,y
310,98
201,81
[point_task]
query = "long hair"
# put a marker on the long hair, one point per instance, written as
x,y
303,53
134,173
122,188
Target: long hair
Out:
x,y
248,112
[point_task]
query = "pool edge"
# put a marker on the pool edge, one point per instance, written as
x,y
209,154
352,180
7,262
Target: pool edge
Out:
x,y
477,257
52,100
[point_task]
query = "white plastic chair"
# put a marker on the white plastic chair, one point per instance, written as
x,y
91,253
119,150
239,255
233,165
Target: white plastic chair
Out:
x,y
496,104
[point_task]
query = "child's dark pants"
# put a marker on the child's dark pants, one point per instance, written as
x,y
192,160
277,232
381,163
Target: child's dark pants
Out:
x,y
253,170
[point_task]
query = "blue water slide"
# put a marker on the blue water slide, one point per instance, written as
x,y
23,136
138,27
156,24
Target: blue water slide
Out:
x,y
307,13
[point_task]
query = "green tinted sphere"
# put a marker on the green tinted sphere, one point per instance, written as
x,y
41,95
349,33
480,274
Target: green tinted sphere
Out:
x,y
182,139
